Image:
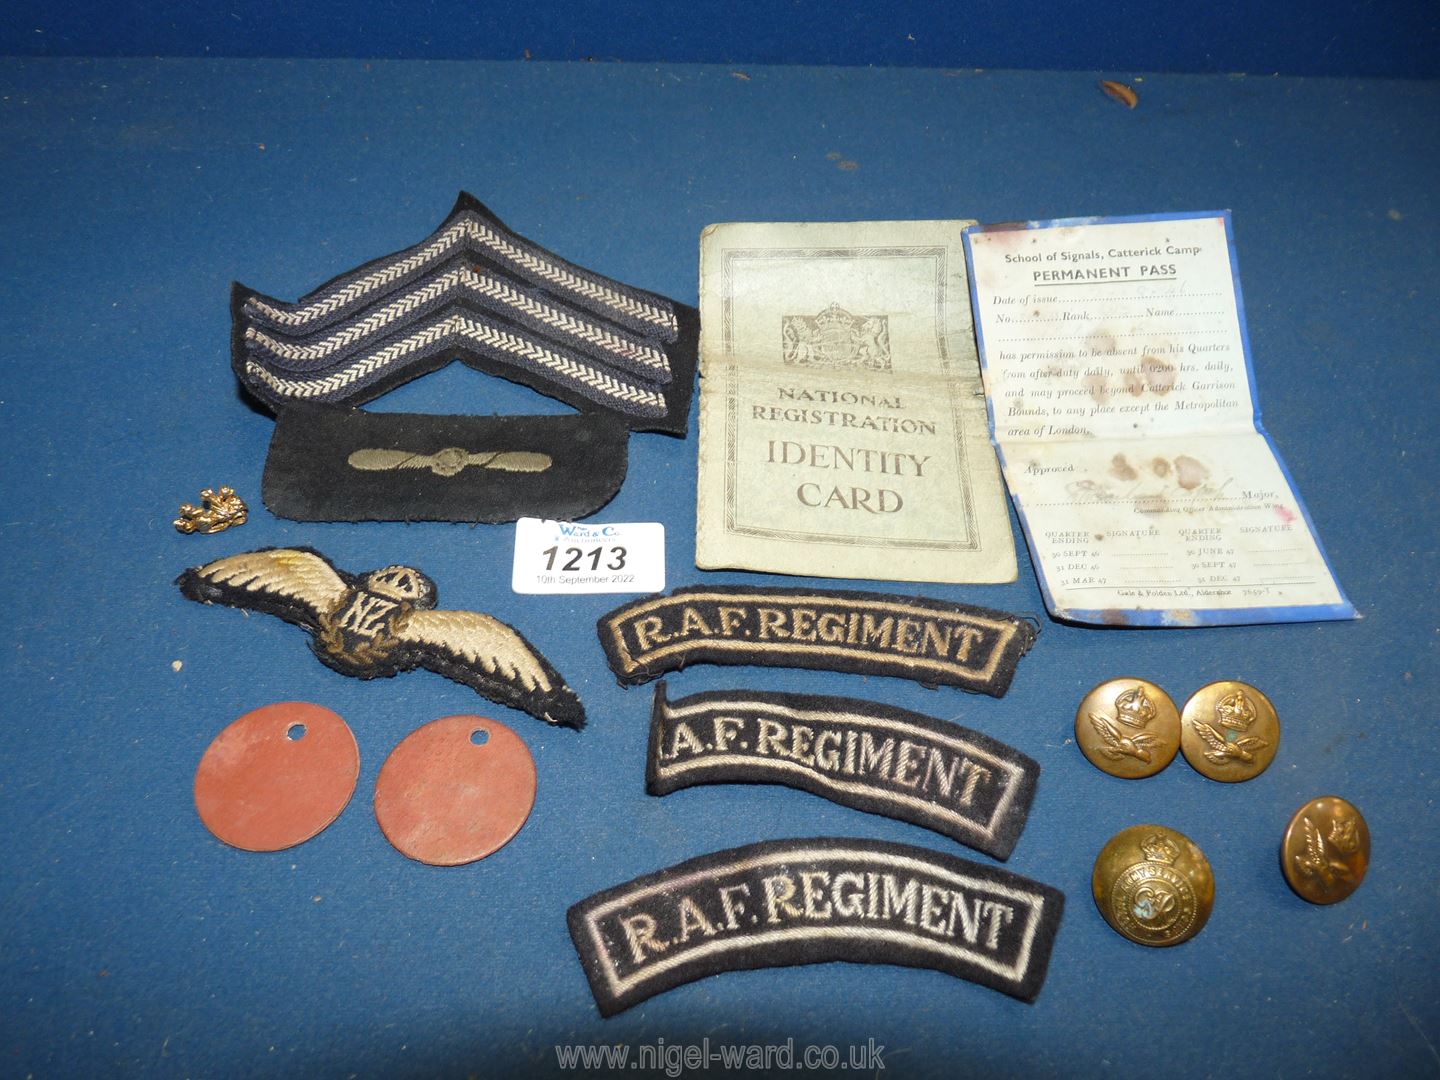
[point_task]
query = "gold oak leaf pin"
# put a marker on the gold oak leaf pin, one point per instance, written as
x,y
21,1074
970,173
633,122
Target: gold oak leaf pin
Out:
x,y
218,511
449,461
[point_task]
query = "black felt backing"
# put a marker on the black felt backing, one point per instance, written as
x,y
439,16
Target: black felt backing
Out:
x,y
309,477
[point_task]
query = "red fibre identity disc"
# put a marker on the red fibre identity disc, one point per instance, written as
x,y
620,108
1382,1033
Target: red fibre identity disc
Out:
x,y
455,790
277,776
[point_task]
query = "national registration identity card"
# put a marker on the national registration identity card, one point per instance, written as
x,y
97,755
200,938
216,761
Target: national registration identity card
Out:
x,y
1122,406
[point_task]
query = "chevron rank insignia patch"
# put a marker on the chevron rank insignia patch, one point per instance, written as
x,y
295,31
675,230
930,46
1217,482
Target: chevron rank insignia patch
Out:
x,y
931,642
788,902
384,622
475,291
329,463
861,754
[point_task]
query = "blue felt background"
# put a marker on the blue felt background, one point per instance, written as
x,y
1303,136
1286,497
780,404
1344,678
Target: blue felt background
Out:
x,y
133,942
1392,38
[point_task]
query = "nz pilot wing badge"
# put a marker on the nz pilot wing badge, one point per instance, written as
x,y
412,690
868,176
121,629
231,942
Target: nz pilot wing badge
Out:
x,y
384,622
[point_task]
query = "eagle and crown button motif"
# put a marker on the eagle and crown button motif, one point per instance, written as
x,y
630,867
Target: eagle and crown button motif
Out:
x,y
1128,728
1229,731
1326,850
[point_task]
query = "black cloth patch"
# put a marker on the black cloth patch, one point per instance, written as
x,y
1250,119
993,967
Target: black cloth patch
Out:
x,y
787,902
861,754
379,624
478,292
328,463
929,641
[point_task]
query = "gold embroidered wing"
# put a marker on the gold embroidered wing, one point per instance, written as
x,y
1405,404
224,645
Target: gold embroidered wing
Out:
x,y
471,638
450,461
296,584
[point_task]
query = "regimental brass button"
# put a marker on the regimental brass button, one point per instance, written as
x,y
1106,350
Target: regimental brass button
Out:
x,y
1153,885
1229,731
1128,728
1326,850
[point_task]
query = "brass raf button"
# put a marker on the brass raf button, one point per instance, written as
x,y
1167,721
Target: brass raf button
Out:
x,y
1229,731
1326,850
1128,728
1153,885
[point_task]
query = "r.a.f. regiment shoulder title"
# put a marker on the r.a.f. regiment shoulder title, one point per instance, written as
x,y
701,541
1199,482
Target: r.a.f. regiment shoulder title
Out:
x,y
929,641
862,754
788,902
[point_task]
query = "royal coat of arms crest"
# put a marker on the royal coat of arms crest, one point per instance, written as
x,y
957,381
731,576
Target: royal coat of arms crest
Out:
x,y
837,339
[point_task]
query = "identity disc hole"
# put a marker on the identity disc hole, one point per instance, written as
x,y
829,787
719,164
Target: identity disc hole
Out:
x,y
295,731
479,736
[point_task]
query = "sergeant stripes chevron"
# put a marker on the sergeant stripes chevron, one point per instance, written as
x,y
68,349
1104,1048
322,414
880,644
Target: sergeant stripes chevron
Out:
x,y
646,314
590,381
646,358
